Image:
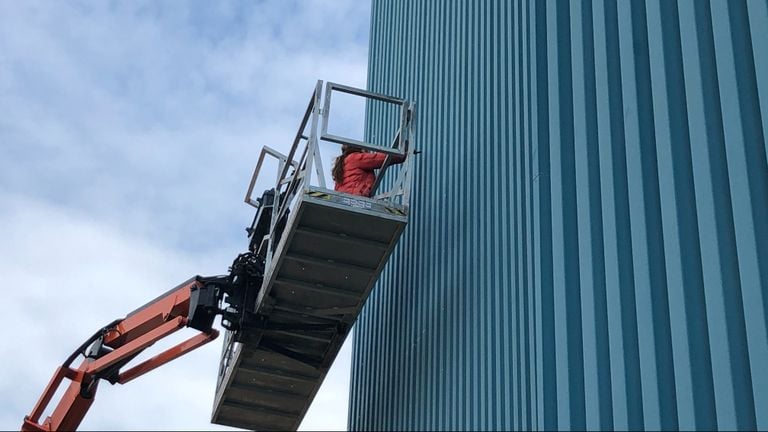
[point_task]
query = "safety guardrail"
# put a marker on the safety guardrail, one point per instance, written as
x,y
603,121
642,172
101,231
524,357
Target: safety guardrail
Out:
x,y
302,167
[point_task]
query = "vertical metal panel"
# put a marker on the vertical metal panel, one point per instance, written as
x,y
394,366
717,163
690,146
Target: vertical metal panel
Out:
x,y
589,237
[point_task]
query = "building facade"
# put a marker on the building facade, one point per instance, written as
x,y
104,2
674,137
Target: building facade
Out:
x,y
588,243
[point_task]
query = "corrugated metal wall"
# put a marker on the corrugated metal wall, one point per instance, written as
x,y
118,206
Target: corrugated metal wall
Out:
x,y
588,245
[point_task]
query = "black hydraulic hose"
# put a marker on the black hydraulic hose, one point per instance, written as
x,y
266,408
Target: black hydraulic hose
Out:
x,y
81,349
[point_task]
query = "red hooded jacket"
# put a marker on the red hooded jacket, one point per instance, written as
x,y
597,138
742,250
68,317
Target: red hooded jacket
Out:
x,y
358,175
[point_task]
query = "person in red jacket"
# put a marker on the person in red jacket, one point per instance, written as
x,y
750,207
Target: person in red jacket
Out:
x,y
353,170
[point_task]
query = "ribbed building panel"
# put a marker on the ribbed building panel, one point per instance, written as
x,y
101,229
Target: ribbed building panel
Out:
x,y
588,246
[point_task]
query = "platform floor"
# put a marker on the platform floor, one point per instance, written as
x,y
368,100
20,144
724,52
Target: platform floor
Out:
x,y
325,266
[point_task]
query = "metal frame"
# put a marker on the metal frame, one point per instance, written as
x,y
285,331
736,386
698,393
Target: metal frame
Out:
x,y
306,144
303,189
398,147
266,151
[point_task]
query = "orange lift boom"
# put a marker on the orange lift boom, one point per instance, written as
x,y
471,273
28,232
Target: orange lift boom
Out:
x,y
191,304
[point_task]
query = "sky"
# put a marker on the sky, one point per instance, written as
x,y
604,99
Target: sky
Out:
x,y
128,134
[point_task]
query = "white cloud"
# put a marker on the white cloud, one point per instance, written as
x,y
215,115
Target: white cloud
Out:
x,y
136,104
128,133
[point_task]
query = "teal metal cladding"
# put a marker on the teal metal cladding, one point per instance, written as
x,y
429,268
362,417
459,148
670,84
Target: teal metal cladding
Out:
x,y
588,245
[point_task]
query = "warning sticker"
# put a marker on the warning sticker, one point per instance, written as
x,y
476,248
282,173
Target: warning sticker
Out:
x,y
356,203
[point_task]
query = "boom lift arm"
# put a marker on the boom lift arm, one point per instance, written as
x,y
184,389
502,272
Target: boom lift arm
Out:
x,y
193,304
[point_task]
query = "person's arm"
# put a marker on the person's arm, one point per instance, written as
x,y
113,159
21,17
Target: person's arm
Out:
x,y
373,160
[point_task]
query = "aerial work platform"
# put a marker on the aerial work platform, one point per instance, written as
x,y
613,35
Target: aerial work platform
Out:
x,y
320,253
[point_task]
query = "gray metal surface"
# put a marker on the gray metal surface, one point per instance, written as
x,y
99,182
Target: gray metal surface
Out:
x,y
588,247
330,255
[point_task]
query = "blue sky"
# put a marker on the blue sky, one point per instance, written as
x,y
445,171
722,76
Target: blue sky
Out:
x,y
128,133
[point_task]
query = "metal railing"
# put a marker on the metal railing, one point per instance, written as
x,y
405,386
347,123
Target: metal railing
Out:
x,y
305,161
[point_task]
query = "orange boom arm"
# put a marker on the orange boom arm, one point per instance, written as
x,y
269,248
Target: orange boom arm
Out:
x,y
192,304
